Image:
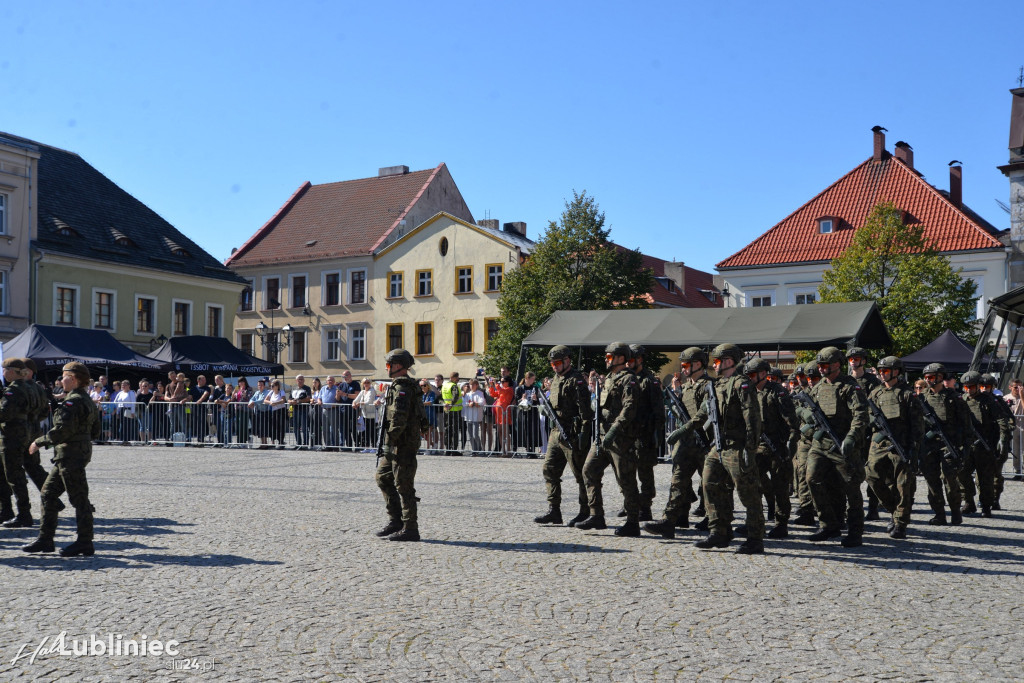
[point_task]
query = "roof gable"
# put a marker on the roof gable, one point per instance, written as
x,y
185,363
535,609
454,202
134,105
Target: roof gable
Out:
x,y
666,291
849,201
512,241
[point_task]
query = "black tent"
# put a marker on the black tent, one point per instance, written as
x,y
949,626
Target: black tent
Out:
x,y
197,354
51,347
948,349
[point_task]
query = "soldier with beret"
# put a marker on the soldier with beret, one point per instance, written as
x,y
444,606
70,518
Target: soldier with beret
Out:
x,y
39,408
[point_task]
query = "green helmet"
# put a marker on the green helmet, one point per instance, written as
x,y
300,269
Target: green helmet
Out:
x,y
775,374
890,362
813,371
560,351
830,354
986,380
934,369
727,351
692,355
638,350
792,378
619,349
971,378
757,365
400,356
799,370
857,351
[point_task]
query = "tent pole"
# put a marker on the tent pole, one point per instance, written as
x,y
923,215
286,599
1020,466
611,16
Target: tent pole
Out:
x,y
520,370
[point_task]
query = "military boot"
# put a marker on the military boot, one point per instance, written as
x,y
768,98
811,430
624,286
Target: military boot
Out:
x,y
956,518
79,547
406,534
630,528
645,514
824,533
392,526
898,531
751,547
701,511
986,512
852,540
663,527
712,541
553,516
592,522
40,545
995,504
23,520
805,518
872,514
939,519
968,508
621,512
6,510
779,531
583,514
702,525
890,526
683,522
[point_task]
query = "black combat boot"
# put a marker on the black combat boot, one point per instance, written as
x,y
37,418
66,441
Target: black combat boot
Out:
x,y
741,530
779,531
891,525
701,511
6,511
683,522
40,545
663,527
553,516
79,547
583,514
852,540
968,508
995,504
630,528
23,520
938,520
645,514
872,514
805,518
621,513
393,526
751,547
592,522
824,533
956,518
406,534
702,525
712,541
898,531
986,512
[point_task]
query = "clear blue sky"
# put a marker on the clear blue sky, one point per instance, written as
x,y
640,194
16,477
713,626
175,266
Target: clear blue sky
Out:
x,y
695,126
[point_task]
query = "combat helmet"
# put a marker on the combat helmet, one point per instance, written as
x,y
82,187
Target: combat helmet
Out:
x,y
934,369
987,380
858,352
637,350
560,351
756,365
830,354
400,356
618,349
971,378
776,374
692,355
891,363
727,351
813,371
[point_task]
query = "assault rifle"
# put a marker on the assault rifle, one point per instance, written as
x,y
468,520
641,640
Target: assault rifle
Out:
x,y
821,422
978,438
714,418
882,424
380,438
549,412
597,418
684,416
953,460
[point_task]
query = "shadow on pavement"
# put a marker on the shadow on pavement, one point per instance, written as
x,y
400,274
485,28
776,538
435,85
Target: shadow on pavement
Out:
x,y
107,558
136,526
529,547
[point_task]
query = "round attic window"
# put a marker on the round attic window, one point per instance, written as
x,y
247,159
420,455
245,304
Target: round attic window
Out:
x,y
442,246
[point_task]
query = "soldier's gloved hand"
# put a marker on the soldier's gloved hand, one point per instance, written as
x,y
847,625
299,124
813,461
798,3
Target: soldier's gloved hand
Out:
x,y
610,436
1004,447
677,434
849,446
931,436
805,414
582,441
807,429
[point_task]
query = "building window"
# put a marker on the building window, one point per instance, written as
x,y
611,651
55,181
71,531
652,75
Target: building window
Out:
x,y
491,325
245,298
424,283
495,272
357,343
272,294
182,318
332,343
357,287
396,289
65,304
3,291
298,291
332,289
3,214
824,225
145,314
760,301
424,339
395,336
214,321
807,298
463,336
245,342
464,279
103,310
298,346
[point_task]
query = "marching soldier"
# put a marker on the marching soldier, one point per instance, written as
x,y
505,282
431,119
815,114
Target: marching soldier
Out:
x,y
14,410
892,478
687,453
650,413
613,443
76,422
842,404
570,399
39,406
805,506
404,421
992,428
988,385
730,464
939,467
857,359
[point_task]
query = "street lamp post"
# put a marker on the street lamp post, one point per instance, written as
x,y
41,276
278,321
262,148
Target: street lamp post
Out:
x,y
272,339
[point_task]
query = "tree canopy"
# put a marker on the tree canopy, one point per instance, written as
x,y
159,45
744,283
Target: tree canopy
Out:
x,y
573,266
918,292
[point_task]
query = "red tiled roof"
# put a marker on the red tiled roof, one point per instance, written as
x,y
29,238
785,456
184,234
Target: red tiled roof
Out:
x,y
849,200
340,219
695,281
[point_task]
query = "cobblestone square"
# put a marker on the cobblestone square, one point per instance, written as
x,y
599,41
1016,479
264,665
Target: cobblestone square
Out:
x,y
262,565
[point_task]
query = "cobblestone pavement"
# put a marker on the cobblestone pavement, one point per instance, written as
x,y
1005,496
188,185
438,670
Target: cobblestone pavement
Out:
x,y
263,566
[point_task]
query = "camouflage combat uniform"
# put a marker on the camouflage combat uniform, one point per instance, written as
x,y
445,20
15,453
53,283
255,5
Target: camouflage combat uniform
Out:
x,y
14,411
954,415
619,399
38,408
893,480
687,455
995,428
404,420
570,399
650,416
778,420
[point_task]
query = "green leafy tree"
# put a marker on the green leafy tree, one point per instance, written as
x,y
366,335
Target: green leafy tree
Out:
x,y
918,292
573,266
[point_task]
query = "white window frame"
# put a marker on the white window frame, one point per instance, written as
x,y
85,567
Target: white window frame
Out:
x,y
305,347
323,287
291,289
154,319
266,296
191,312
794,292
831,226
491,276
113,308
3,213
749,296
75,312
206,321
252,342
356,334
325,344
4,277
978,280
366,285
391,284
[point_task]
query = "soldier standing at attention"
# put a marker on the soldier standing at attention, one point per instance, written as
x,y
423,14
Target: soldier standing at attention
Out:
x,y
687,454
981,452
570,399
857,359
613,443
650,413
14,410
941,469
892,479
842,402
39,406
987,386
731,464
76,422
404,421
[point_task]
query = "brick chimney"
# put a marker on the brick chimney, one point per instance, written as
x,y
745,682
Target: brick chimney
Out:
x,y
905,153
676,271
516,228
956,183
386,171
879,149
491,223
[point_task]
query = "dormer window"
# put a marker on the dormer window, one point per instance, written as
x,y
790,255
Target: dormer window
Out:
x,y
825,225
120,239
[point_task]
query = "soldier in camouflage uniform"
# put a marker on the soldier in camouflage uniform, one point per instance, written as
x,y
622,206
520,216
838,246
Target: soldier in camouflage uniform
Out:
x,y
688,452
570,399
14,410
76,422
733,465
613,443
894,480
995,428
778,421
940,469
39,407
804,438
404,422
650,414
857,358
988,385
843,404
